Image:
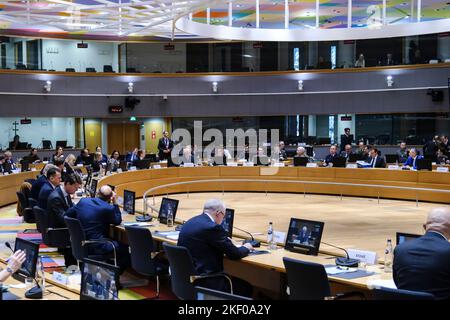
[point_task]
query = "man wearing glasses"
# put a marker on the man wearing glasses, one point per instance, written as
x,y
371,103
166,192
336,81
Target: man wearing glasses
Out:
x,y
207,242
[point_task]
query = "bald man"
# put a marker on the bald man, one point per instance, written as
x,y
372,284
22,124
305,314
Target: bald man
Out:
x,y
423,264
96,215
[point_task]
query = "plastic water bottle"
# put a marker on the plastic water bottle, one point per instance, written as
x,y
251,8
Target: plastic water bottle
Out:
x,y
113,290
270,241
388,257
169,218
40,275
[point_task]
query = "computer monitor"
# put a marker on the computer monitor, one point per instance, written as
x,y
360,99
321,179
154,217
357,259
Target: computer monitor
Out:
x,y
304,236
24,165
142,164
123,165
391,158
61,143
151,156
210,294
22,145
403,237
353,157
228,220
424,164
31,250
129,201
323,140
93,188
339,162
309,151
46,144
98,281
300,161
166,205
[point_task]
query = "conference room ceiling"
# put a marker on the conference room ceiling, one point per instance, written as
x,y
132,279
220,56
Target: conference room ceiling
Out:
x,y
155,20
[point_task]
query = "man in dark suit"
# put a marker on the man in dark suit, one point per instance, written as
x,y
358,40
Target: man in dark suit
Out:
x,y
96,215
430,148
9,162
346,139
84,158
37,185
412,159
304,235
333,154
207,241
347,152
165,146
59,201
375,160
423,264
53,180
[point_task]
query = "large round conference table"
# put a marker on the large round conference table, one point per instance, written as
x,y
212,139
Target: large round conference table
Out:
x,y
267,271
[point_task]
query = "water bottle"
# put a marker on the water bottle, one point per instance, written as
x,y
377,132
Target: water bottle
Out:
x,y
40,275
388,257
270,240
113,290
169,218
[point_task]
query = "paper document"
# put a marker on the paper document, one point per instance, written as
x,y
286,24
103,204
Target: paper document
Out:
x,y
138,224
173,235
337,270
376,283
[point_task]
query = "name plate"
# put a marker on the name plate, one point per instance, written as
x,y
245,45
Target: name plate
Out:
x,y
352,166
79,165
278,164
232,164
393,167
248,164
132,169
157,166
33,169
60,278
119,170
44,162
188,165
279,236
442,169
311,165
369,257
5,173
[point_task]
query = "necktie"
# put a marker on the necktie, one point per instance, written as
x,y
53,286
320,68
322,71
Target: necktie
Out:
x,y
414,162
69,201
166,143
374,161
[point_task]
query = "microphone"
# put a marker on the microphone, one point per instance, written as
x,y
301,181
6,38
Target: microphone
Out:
x,y
35,292
179,226
344,262
253,242
144,218
8,245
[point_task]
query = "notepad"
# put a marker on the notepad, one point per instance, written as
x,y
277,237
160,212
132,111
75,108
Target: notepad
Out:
x,y
172,235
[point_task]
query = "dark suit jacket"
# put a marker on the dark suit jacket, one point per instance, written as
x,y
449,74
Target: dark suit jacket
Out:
x,y
37,186
162,146
46,189
379,162
423,264
330,158
67,170
345,141
410,162
56,207
208,242
95,216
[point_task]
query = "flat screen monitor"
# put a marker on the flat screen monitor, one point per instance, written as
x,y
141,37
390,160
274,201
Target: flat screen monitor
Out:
x,y
210,294
61,143
123,165
24,165
309,151
22,145
129,201
31,250
403,237
93,188
300,161
304,236
98,281
424,164
142,164
353,157
167,205
323,140
151,157
339,162
228,220
391,158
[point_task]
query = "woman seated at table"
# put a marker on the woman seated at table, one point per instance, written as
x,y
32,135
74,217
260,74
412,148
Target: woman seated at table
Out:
x,y
58,154
98,163
113,162
104,157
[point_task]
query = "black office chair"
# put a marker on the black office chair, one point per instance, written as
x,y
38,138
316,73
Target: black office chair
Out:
x,y
107,68
27,211
90,70
309,281
398,294
52,237
70,70
78,242
141,249
183,275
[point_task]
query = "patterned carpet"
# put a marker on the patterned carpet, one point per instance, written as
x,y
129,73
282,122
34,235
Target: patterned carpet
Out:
x,y
135,287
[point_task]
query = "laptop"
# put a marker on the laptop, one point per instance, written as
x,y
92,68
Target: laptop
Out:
x,y
403,237
300,161
339,162
391,158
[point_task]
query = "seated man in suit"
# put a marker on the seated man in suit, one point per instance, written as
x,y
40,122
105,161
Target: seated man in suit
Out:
x,y
412,159
96,215
333,154
375,160
347,152
37,185
207,241
282,151
83,158
402,153
9,160
53,181
423,264
59,201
